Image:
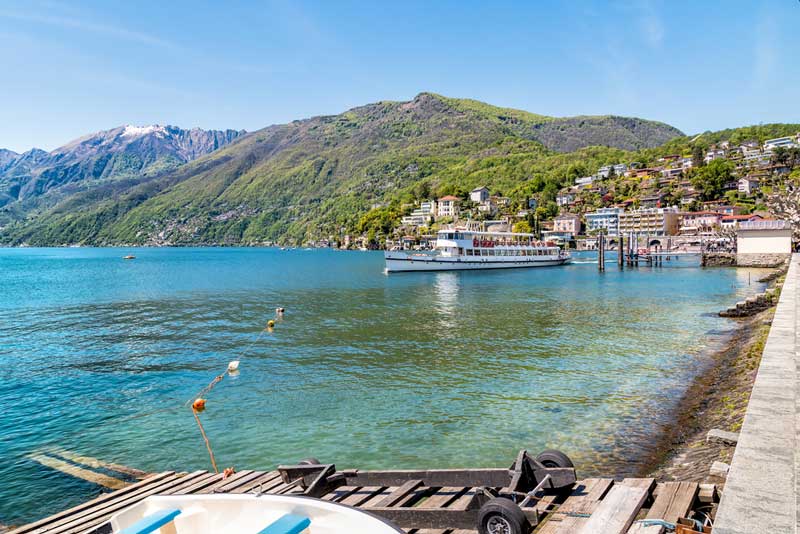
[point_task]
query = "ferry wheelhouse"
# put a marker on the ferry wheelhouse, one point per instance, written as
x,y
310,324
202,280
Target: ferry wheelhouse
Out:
x,y
468,249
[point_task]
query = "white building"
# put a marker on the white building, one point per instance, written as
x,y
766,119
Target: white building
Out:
x,y
748,186
754,155
564,199
448,206
716,153
763,242
604,219
619,170
784,142
422,215
586,180
479,195
649,221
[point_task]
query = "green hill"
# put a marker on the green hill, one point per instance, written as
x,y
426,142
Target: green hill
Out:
x,y
317,177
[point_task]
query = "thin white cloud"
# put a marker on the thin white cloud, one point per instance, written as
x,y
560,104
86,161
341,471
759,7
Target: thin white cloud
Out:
x,y
98,28
765,52
646,16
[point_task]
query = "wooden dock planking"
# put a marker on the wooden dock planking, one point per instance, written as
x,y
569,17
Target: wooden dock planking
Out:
x,y
582,500
594,505
78,472
616,511
91,503
96,514
96,463
674,500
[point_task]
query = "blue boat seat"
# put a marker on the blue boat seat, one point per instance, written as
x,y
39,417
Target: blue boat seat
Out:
x,y
288,524
152,522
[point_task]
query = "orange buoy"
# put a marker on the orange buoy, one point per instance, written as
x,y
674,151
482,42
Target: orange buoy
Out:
x,y
229,471
270,323
199,405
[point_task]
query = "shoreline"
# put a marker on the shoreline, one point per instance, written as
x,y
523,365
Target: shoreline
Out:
x,y
717,398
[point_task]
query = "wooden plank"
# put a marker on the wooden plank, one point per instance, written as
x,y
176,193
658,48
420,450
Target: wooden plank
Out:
x,y
78,472
94,502
440,499
96,463
574,511
199,484
190,481
222,482
399,494
674,500
101,514
260,484
374,498
617,511
363,495
340,493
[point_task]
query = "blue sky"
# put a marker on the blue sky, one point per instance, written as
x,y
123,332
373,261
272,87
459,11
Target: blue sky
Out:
x,y
70,68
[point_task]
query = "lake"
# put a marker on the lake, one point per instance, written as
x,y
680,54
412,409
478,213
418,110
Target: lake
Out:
x,y
365,370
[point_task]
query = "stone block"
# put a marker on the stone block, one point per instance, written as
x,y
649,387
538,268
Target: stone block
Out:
x,y
723,437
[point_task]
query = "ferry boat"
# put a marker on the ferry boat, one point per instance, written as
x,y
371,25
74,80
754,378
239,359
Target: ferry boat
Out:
x,y
472,250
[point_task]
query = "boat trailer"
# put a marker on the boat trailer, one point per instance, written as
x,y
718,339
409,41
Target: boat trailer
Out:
x,y
504,501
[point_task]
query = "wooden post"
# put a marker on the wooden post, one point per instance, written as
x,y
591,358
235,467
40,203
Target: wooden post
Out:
x,y
601,243
620,252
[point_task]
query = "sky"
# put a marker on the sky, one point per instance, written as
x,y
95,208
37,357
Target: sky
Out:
x,y
71,68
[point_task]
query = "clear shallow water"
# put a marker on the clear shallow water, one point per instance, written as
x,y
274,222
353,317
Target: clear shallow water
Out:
x,y
365,370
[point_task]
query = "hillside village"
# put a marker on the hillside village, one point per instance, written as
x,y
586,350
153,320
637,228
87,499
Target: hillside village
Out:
x,y
706,193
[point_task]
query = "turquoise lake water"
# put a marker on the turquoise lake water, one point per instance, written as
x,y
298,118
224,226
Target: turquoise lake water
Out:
x,y
365,370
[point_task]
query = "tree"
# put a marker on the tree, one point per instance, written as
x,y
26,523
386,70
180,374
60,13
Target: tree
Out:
x,y
698,159
611,173
523,227
710,180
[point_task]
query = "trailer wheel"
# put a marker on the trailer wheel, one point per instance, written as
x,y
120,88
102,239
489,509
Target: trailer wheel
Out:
x,y
501,516
554,458
308,461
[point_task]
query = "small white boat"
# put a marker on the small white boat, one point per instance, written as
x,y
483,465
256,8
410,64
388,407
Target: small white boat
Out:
x,y
245,514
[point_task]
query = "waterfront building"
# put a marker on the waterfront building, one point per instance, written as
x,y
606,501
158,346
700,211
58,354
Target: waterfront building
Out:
x,y
479,195
732,222
761,242
699,222
567,225
448,206
649,221
605,220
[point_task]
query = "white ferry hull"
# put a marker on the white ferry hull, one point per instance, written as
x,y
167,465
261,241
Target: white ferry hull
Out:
x,y
400,262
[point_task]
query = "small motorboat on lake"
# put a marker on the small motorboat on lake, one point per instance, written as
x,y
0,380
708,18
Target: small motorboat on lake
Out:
x,y
129,257
245,514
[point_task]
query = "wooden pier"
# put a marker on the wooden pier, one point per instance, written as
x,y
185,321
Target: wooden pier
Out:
x,y
593,505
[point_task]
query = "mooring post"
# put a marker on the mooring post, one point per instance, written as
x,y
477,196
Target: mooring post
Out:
x,y
620,252
601,243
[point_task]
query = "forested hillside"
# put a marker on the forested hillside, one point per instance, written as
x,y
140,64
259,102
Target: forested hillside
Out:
x,y
317,177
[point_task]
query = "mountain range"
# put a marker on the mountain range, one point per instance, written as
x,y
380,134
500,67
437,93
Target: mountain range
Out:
x,y
37,179
302,180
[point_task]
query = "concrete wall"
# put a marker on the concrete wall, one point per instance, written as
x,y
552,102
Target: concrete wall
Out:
x,y
760,259
761,492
